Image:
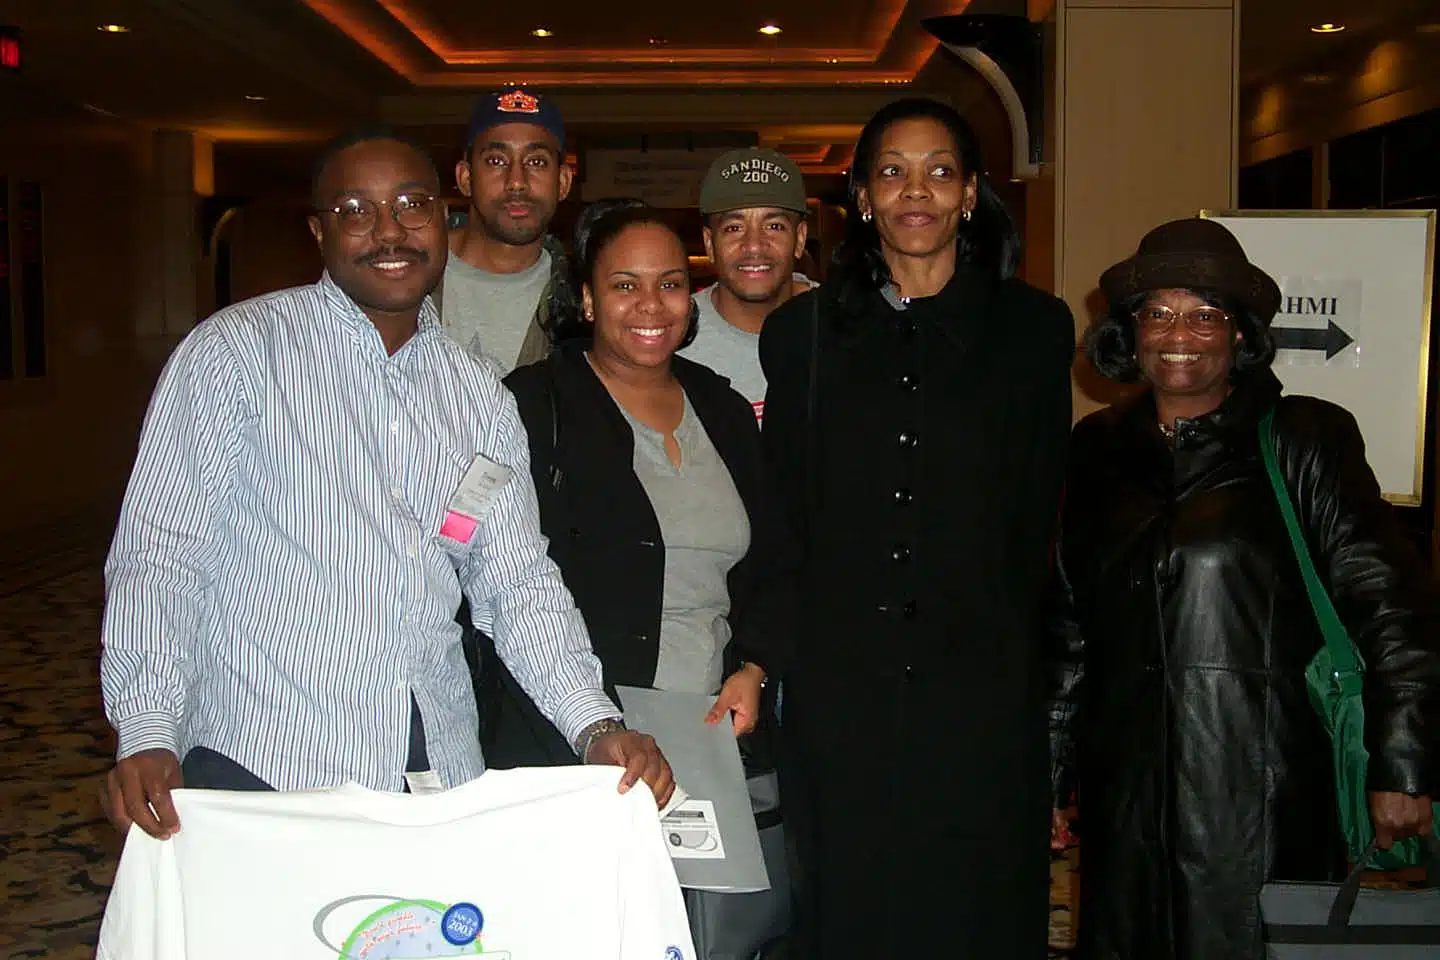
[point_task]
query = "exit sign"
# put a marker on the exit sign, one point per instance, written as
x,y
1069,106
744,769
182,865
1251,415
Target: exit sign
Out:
x,y
9,49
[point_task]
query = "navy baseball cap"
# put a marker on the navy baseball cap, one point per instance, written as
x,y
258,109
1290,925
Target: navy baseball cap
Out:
x,y
515,106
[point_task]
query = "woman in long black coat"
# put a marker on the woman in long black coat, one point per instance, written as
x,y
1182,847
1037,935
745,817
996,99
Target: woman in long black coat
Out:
x,y
916,418
1203,769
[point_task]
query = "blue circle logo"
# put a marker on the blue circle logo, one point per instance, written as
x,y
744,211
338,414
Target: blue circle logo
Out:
x,y
674,953
461,924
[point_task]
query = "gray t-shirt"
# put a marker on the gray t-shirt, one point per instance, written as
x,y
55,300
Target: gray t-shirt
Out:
x,y
706,531
730,351
489,314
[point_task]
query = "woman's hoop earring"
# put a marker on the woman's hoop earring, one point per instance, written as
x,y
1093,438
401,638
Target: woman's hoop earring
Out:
x,y
865,217
966,215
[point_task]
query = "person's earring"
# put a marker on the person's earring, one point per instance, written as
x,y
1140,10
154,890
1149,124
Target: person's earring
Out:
x,y
589,317
865,216
966,215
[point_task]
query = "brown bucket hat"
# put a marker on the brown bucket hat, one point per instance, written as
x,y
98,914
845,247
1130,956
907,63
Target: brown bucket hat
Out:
x,y
1193,254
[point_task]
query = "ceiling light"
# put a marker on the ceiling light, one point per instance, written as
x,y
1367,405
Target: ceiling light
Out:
x,y
657,41
541,32
770,30
254,97
112,28
1327,28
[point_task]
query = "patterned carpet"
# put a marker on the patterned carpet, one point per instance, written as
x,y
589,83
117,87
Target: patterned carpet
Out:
x,y
57,851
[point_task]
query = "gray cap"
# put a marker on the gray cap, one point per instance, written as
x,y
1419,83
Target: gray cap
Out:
x,y
752,177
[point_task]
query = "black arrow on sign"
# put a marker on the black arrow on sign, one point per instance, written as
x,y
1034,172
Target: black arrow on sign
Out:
x,y
1332,339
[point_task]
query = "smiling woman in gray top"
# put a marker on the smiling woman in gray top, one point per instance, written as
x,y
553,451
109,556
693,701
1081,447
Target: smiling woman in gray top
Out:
x,y
652,493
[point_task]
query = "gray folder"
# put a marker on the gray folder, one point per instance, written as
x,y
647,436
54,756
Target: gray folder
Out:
x,y
706,762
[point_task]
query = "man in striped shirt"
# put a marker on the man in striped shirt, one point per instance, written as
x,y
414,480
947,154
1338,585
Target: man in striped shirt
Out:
x,y
321,473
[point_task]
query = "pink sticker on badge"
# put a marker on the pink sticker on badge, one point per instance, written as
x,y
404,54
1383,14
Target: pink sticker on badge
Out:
x,y
458,527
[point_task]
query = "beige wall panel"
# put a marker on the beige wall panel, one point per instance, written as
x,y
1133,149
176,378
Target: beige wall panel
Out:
x,y
1147,134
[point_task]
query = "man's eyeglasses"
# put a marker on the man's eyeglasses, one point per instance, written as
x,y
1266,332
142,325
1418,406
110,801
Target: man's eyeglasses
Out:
x,y
1202,321
356,215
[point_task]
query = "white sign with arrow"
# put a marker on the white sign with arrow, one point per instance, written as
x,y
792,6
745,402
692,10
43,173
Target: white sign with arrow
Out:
x,y
1354,321
1319,321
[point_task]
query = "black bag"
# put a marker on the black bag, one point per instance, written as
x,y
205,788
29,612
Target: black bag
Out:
x,y
1330,921
742,926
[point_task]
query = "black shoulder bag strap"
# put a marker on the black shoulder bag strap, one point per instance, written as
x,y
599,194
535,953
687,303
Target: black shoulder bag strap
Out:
x,y
812,425
557,475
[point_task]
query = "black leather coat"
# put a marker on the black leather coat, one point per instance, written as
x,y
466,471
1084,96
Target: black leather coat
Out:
x,y
1203,769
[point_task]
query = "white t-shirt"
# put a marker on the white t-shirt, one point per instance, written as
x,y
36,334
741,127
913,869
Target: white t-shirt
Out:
x,y
729,351
529,864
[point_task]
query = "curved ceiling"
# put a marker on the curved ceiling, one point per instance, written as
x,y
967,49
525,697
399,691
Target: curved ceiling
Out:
x,y
443,43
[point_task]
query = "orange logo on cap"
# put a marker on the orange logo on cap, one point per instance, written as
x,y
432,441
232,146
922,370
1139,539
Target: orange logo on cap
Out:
x,y
518,101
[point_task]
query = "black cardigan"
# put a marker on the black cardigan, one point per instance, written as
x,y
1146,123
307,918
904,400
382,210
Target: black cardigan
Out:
x,y
606,540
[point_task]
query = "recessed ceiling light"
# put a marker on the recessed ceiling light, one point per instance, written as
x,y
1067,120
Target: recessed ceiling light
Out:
x,y
1327,28
770,30
112,28
541,32
254,97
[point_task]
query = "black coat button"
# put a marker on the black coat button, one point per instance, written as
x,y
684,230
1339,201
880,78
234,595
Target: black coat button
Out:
x,y
900,554
908,382
903,496
907,439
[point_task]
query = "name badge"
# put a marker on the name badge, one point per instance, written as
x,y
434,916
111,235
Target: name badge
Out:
x,y
474,498
424,781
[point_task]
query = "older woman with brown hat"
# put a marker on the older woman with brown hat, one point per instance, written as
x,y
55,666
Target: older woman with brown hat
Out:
x,y
1203,769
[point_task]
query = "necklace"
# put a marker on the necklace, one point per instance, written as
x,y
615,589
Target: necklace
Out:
x,y
1167,431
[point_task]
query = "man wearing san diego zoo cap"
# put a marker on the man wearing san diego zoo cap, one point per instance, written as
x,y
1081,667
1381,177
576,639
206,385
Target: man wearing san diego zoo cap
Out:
x,y
505,271
753,202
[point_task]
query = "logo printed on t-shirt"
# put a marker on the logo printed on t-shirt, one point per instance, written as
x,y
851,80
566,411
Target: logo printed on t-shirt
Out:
x,y
374,927
674,953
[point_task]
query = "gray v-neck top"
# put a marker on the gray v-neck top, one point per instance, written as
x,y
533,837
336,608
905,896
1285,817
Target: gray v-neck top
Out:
x,y
706,531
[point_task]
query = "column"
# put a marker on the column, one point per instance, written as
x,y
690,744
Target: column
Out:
x,y
1145,130
181,172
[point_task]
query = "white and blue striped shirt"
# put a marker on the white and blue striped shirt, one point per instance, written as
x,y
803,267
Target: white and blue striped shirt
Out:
x,y
277,588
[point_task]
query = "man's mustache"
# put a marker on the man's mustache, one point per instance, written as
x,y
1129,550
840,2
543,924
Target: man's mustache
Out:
x,y
394,253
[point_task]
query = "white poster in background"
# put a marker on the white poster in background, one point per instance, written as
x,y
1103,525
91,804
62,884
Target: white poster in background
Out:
x,y
1319,321
1378,266
661,178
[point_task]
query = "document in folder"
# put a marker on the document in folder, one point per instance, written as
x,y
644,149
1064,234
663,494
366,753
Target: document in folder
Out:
x,y
711,833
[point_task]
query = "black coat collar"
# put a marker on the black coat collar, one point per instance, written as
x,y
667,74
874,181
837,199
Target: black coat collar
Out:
x,y
1253,395
957,311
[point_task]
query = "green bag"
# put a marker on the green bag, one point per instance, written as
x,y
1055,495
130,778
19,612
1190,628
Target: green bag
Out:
x,y
1335,678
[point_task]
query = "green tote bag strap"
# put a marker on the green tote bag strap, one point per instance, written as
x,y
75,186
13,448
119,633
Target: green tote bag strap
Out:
x,y
1337,639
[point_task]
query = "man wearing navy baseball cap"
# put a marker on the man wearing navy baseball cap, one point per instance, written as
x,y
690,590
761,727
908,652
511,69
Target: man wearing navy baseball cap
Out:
x,y
505,271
